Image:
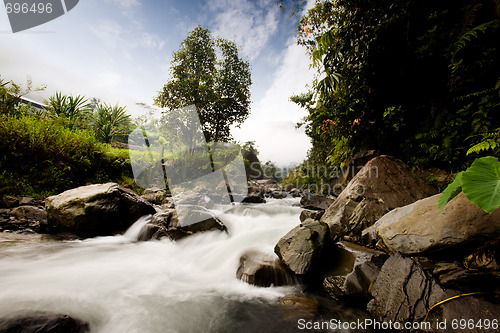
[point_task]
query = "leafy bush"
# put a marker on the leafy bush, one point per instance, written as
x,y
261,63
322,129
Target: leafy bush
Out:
x,y
39,157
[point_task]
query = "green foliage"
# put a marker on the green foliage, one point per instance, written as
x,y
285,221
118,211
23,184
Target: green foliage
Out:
x,y
480,183
10,97
40,157
111,122
413,79
451,191
208,73
72,111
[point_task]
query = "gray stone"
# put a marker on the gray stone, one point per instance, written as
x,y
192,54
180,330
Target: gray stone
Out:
x,y
30,213
404,292
316,202
302,247
155,196
310,214
263,270
26,201
355,164
95,210
354,268
420,228
279,194
166,224
383,184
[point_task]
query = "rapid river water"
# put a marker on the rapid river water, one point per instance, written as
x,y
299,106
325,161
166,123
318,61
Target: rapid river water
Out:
x,y
119,285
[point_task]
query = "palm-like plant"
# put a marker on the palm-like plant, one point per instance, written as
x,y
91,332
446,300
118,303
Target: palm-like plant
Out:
x,y
73,110
111,121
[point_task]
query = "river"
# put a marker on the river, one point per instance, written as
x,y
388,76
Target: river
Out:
x,y
120,285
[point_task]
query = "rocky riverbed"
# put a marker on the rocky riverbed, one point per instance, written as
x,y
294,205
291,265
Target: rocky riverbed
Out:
x,y
381,248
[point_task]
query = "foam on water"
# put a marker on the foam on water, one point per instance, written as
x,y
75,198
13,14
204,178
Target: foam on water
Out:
x,y
119,285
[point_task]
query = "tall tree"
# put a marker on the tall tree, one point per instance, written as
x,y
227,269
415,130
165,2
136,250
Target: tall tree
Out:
x,y
209,73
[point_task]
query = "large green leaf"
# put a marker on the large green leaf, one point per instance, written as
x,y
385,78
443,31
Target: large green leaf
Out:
x,y
481,183
451,191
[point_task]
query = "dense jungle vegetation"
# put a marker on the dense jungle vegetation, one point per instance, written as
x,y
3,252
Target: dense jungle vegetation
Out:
x,y
419,80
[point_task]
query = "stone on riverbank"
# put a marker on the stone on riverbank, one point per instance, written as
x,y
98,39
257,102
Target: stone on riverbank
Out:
x,y
302,247
403,292
95,210
383,184
420,228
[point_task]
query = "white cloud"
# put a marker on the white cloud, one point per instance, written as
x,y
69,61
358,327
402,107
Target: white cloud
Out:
x,y
275,116
250,24
116,36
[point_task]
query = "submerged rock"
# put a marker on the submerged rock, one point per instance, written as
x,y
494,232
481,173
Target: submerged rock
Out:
x,y
95,210
383,184
263,270
47,323
302,247
420,228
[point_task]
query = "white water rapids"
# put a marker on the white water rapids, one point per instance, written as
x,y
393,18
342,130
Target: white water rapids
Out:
x,y
118,285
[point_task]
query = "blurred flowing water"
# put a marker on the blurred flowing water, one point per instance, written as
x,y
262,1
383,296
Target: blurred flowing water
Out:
x,y
119,285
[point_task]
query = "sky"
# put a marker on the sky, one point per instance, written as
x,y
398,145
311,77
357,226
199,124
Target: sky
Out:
x,y
120,51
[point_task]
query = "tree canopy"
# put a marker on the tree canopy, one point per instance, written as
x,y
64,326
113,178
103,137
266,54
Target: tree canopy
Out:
x,y
416,79
209,73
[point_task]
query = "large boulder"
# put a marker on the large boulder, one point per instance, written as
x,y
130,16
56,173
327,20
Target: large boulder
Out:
x,y
403,293
355,164
383,184
263,270
95,210
420,228
167,224
302,247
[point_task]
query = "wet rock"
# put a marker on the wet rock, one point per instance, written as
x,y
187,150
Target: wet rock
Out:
x,y
420,228
302,247
353,270
316,202
51,323
23,219
263,270
279,194
95,210
167,224
310,214
255,194
404,292
383,184
264,182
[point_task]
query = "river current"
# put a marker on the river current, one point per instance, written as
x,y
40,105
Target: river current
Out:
x,y
120,285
